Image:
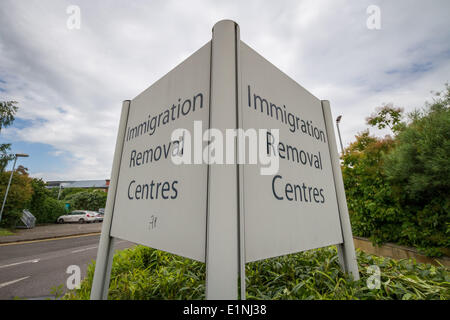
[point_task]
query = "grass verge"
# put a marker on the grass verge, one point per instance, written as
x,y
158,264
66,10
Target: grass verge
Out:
x,y
5,232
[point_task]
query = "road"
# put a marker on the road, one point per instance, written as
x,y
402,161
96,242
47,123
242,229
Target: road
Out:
x,y
31,270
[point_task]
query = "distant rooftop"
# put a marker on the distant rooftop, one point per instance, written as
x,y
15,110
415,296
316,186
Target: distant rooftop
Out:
x,y
101,184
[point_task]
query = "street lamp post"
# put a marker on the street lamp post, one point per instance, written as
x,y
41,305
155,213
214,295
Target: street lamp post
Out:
x,y
338,120
17,155
60,188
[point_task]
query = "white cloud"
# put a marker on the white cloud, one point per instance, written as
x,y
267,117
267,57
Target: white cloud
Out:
x,y
70,83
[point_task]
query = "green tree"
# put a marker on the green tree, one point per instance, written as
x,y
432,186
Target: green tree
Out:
x,y
87,200
418,168
39,194
42,205
387,116
8,111
398,187
373,208
19,196
50,210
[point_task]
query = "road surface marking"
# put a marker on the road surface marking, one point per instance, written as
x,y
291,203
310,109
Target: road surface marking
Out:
x,y
85,249
51,239
11,282
81,250
17,263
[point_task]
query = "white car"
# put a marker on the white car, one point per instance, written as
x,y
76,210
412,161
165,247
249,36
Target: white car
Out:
x,y
80,216
98,216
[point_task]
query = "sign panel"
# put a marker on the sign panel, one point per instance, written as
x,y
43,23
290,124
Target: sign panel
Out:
x,y
158,203
296,208
225,214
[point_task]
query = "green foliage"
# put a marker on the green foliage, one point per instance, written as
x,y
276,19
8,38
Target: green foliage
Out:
x,y
398,188
8,110
87,200
421,159
145,273
57,292
142,273
5,232
45,208
387,116
39,195
50,210
11,218
5,156
19,196
374,210
418,168
65,192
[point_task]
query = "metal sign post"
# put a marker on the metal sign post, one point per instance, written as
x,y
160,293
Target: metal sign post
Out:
x,y
223,262
346,250
100,283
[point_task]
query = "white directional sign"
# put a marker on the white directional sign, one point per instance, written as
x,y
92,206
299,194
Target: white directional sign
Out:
x,y
205,203
295,209
158,203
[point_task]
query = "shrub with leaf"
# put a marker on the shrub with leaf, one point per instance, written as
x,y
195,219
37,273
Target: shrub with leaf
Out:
x,y
418,168
45,208
374,209
398,187
144,273
19,196
87,200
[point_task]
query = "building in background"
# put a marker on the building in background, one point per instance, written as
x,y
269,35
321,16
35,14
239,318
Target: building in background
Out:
x,y
86,184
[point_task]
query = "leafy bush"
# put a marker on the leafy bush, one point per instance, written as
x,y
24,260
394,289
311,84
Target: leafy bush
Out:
x,y
87,200
398,188
418,168
145,273
39,195
375,211
19,196
45,208
11,218
50,210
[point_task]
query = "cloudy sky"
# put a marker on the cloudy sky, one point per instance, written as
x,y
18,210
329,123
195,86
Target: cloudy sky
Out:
x,y
70,82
